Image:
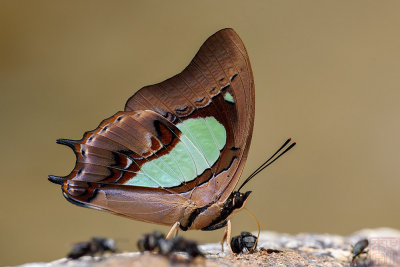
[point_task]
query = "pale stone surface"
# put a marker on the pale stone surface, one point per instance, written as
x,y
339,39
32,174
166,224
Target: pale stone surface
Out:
x,y
297,250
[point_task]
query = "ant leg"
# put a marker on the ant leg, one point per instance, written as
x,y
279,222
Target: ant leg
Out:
x,y
174,231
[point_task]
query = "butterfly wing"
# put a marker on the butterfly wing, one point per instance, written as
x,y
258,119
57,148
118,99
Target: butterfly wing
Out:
x,y
179,144
217,83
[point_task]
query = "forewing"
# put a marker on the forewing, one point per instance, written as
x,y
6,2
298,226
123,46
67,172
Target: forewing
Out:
x,y
217,83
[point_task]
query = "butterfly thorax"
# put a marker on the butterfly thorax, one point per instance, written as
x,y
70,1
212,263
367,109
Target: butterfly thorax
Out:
x,y
215,215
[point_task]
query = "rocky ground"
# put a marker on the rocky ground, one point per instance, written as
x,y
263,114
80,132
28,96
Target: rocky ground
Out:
x,y
295,250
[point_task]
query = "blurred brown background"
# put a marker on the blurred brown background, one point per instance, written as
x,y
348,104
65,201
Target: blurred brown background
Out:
x,y
326,73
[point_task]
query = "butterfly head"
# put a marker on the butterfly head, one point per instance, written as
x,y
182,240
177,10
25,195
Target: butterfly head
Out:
x,y
239,199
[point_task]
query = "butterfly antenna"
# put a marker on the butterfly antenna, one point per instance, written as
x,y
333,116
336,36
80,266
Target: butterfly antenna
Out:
x,y
269,161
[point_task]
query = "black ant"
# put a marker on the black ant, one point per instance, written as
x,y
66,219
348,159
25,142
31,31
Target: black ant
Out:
x,y
95,245
358,249
244,241
156,241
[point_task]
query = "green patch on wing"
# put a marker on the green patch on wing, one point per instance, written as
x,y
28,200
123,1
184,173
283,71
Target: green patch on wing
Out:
x,y
228,97
202,140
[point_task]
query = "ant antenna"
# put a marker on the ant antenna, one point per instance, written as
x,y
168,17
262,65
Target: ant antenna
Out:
x,y
269,162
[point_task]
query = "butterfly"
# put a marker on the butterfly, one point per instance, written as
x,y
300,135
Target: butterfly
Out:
x,y
175,154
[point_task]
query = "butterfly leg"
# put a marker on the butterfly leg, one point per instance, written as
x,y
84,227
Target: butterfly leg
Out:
x,y
174,231
223,239
227,236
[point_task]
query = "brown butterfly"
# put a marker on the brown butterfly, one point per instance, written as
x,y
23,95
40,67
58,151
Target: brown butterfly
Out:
x,y
176,152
